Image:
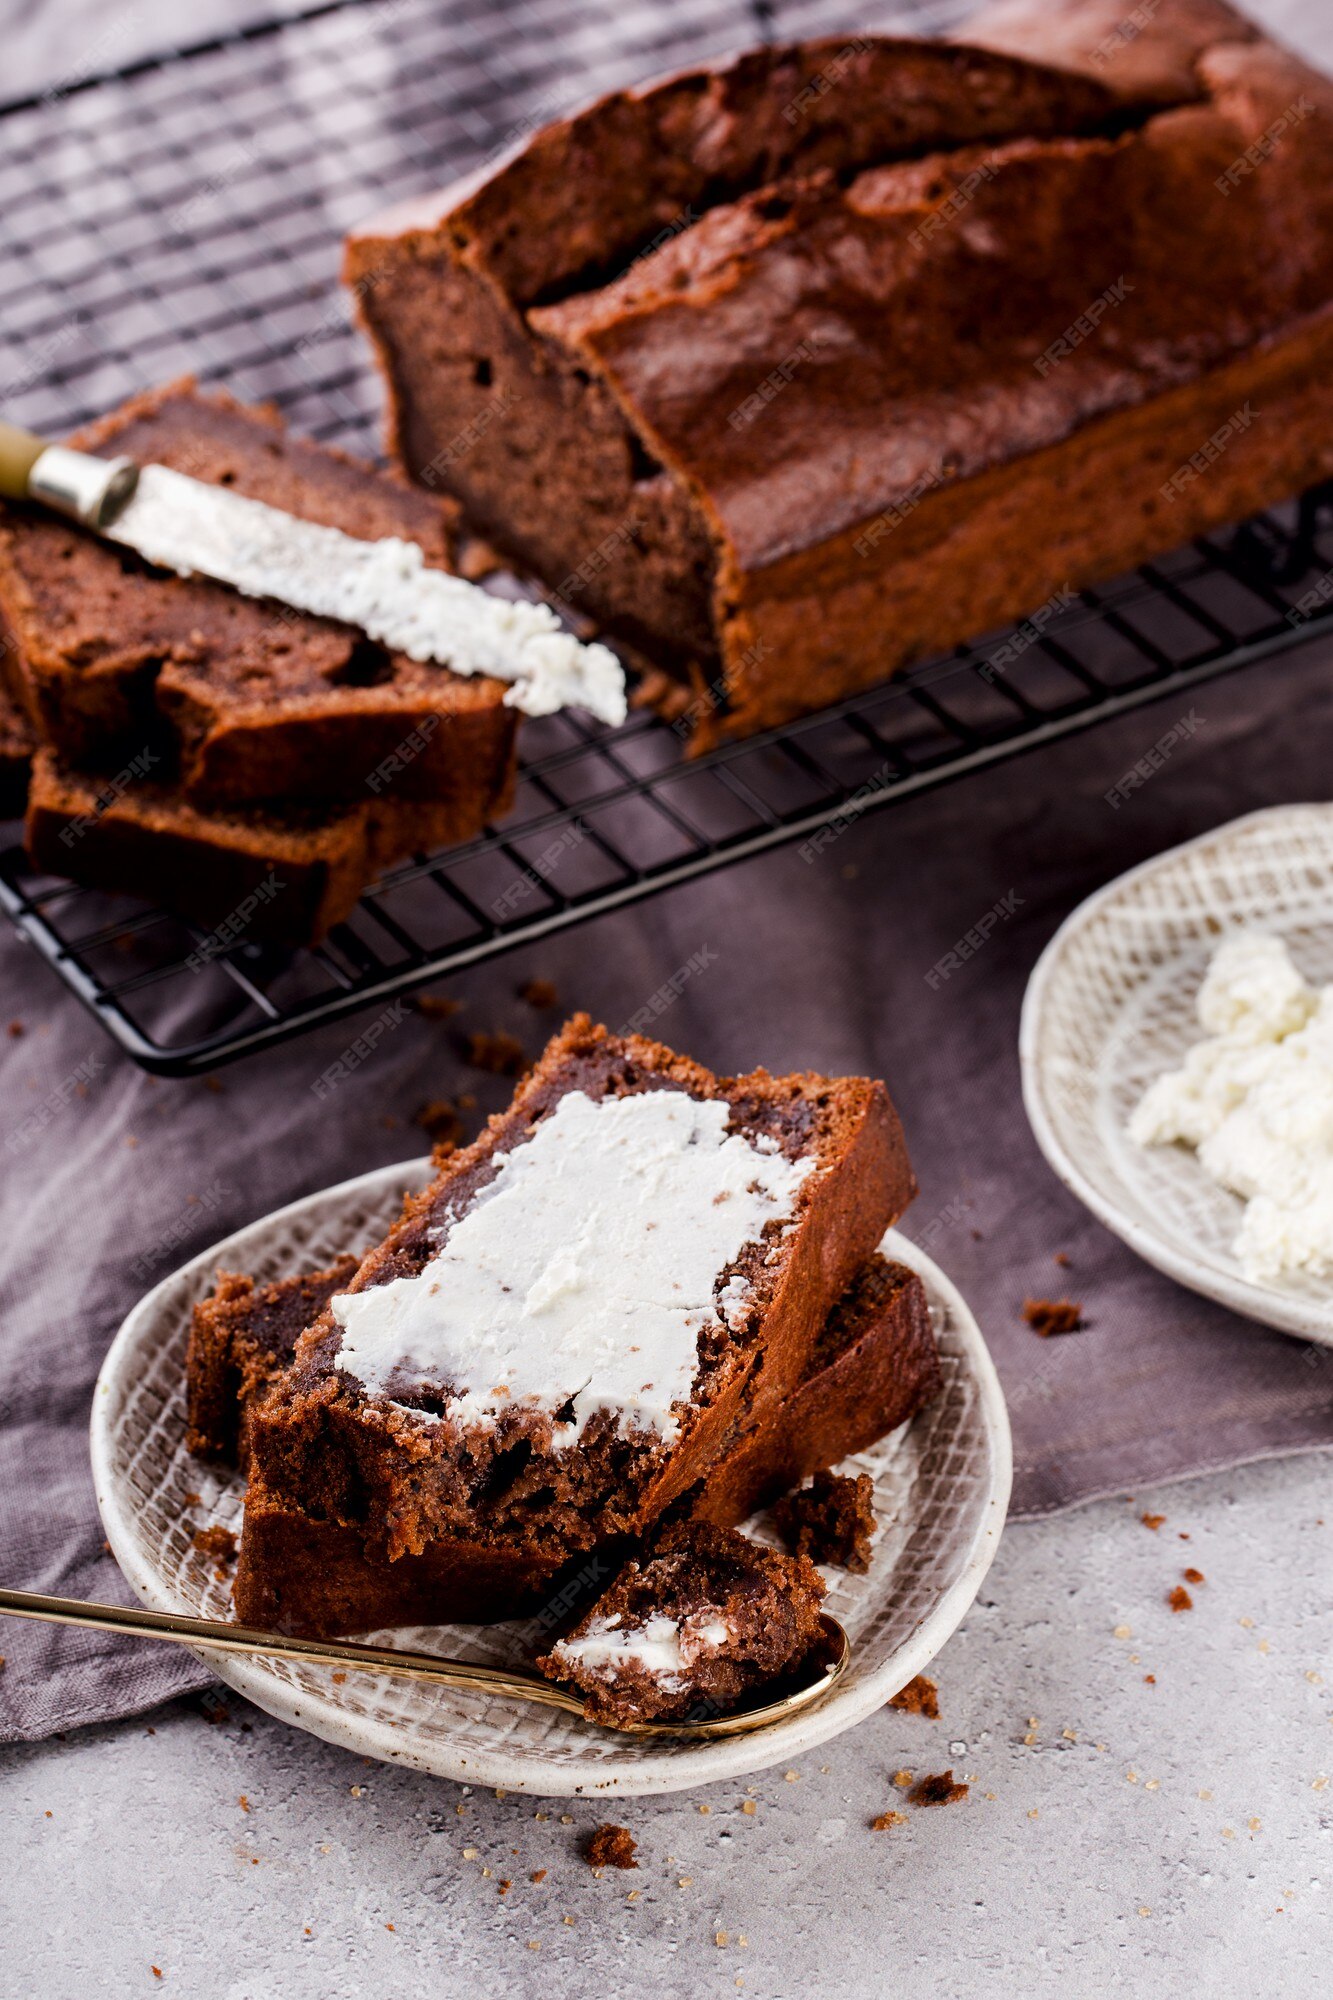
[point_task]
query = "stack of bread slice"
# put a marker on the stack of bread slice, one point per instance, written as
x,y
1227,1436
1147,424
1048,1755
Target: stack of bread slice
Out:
x,y
226,757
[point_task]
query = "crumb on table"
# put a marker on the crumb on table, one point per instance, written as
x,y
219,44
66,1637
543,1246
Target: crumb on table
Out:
x,y
937,1788
919,1697
436,1006
539,993
1180,1599
1051,1316
610,1847
500,1054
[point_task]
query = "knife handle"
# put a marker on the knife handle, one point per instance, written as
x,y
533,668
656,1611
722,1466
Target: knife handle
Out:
x,y
88,489
19,452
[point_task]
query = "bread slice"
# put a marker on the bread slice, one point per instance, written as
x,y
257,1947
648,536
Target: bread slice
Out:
x,y
240,1336
16,747
555,1380
282,876
835,385
874,1366
248,700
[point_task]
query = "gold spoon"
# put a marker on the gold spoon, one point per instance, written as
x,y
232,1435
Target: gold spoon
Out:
x,y
516,1681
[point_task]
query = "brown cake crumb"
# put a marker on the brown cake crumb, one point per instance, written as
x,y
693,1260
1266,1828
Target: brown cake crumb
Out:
x,y
1051,1316
16,1029
439,1118
884,1820
831,1520
539,993
1194,1576
219,1543
919,1697
936,1789
437,1006
501,1054
1153,1521
610,1847
1180,1599
1062,1258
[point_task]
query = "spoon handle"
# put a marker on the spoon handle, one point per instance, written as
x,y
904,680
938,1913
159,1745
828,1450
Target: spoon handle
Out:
x,y
224,1638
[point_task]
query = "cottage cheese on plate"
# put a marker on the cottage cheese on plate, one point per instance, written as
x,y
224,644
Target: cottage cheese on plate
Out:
x,y
1255,1099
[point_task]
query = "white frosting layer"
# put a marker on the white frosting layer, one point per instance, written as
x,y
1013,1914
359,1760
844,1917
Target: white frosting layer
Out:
x,y
664,1647
1256,1100
585,1272
382,587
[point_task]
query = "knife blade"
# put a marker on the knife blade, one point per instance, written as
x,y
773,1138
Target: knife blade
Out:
x,y
383,587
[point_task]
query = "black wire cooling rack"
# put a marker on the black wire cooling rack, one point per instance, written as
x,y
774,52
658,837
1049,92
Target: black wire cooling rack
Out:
x,y
186,213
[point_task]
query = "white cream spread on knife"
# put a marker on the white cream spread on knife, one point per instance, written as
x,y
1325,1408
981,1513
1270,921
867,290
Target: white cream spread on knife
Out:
x,y
1256,1100
384,588
583,1274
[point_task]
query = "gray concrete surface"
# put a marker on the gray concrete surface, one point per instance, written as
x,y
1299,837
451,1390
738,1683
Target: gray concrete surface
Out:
x,y
1171,1836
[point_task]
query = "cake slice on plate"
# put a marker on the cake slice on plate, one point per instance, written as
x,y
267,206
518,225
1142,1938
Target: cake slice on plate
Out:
x,y
875,1364
564,1330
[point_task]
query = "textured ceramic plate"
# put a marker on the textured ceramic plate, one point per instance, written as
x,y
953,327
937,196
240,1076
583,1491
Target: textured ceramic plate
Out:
x,y
1111,1005
941,1490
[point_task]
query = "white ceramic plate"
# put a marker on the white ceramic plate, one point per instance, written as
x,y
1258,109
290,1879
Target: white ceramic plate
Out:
x,y
1110,1005
941,1490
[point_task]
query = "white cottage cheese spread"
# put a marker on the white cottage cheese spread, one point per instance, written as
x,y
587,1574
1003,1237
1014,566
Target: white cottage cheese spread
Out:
x,y
1256,1101
584,1273
383,587
662,1646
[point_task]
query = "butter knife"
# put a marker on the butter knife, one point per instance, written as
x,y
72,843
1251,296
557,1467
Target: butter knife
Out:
x,y
382,587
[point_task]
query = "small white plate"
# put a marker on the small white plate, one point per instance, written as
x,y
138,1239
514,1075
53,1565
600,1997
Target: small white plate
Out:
x,y
1110,1006
941,1490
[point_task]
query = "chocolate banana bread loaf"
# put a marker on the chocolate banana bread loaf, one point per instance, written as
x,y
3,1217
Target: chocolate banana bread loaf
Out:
x,y
554,1342
796,368
874,1366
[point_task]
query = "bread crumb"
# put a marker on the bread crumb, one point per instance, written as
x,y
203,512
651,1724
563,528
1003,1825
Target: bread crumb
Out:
x,y
1153,1521
610,1847
498,1054
937,1788
539,993
1179,1599
538,1875
1194,1576
16,1029
883,1821
749,1807
244,1803
436,1006
439,1118
217,1543
919,1697
1048,1317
